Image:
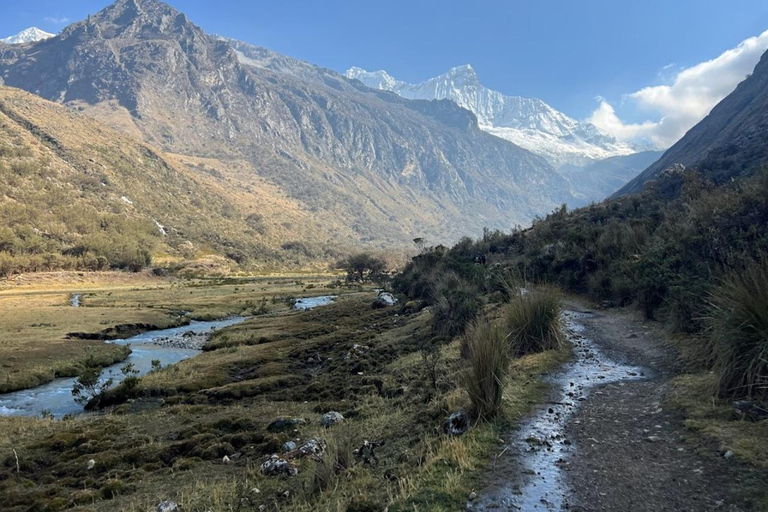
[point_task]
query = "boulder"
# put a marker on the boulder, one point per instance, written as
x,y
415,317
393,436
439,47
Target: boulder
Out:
x,y
275,466
456,424
384,300
167,506
331,418
312,447
289,446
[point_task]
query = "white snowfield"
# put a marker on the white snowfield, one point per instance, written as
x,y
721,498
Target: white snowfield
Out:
x,y
528,122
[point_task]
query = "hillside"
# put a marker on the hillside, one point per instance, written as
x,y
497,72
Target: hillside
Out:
x,y
76,194
729,142
372,168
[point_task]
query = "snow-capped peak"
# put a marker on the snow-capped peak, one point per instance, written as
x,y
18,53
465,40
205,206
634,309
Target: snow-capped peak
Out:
x,y
528,122
374,79
29,35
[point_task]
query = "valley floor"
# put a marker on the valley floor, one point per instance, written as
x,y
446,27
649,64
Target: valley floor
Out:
x,y
198,432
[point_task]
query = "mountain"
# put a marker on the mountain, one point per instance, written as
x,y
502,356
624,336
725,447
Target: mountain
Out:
x,y
529,123
598,180
73,190
729,142
29,35
371,167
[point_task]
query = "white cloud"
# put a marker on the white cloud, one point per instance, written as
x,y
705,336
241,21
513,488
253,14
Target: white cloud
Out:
x,y
688,99
57,20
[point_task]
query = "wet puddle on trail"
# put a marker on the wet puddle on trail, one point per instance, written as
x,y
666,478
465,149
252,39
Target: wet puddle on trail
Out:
x,y
532,476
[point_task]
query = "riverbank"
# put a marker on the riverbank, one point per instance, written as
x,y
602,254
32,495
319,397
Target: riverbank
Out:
x,y
38,315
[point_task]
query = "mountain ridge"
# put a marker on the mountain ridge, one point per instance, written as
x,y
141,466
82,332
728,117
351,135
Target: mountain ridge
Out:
x,y
388,168
527,122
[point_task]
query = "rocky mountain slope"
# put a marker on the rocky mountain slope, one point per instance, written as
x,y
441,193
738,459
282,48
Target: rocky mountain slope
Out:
x,y
528,122
371,167
28,35
73,191
729,142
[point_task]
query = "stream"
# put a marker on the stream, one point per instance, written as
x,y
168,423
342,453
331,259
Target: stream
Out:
x,y
169,346
528,475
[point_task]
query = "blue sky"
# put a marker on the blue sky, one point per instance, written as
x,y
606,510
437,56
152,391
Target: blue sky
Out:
x,y
565,52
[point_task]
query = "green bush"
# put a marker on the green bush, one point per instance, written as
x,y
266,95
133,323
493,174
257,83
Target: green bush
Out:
x,y
487,352
533,322
738,321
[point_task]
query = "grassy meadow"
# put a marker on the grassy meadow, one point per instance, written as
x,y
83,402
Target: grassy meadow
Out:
x,y
379,368
36,315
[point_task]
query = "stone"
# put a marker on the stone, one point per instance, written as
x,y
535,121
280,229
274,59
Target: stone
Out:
x,y
226,460
91,463
472,496
384,300
312,447
289,446
275,466
653,439
457,424
167,506
331,418
729,454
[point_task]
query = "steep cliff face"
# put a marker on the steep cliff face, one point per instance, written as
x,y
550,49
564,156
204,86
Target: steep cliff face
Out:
x,y
729,142
387,168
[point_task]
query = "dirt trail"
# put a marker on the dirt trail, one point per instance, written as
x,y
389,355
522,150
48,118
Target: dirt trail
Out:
x,y
612,446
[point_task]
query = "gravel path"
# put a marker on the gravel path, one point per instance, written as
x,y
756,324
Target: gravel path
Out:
x,y
608,444
630,453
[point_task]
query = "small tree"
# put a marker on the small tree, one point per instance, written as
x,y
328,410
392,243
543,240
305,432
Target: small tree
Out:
x,y
131,379
362,266
89,386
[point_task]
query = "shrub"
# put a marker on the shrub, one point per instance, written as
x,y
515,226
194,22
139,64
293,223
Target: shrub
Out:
x,y
360,267
533,321
738,322
487,353
457,303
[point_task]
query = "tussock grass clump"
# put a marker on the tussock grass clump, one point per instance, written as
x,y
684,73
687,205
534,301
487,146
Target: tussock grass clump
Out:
x,y
738,322
326,469
533,320
488,358
457,303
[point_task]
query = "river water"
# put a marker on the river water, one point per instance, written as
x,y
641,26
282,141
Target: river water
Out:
x,y
528,476
56,396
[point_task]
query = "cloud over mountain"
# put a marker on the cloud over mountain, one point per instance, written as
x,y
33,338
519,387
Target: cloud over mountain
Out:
x,y
686,100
